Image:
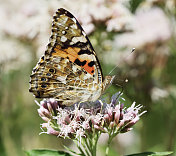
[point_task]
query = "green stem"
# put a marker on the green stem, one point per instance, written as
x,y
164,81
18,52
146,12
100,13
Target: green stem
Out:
x,y
93,139
111,136
82,152
88,144
94,148
107,148
86,147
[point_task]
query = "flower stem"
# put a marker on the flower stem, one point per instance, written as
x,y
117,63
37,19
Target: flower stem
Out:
x,y
109,142
88,144
86,147
95,139
80,149
93,143
107,148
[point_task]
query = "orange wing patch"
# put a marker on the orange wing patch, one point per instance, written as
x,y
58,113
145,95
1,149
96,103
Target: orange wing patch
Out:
x,y
71,53
89,69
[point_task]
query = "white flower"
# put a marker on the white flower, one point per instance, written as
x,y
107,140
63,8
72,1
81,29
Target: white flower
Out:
x,y
149,27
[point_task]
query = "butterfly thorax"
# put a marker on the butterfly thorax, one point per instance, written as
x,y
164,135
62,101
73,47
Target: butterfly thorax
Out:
x,y
107,82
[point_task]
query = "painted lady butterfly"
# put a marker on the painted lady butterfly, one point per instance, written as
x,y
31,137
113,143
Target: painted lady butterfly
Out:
x,y
69,71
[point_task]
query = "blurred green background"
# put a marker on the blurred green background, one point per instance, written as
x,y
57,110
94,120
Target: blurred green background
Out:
x,y
114,28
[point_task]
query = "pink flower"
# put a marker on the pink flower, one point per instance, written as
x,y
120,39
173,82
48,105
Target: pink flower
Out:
x,y
85,124
74,122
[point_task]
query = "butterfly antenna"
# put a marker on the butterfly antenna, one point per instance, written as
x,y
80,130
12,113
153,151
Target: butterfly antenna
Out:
x,y
126,80
133,49
113,69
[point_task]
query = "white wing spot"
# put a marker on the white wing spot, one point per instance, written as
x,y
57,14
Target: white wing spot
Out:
x,y
58,66
73,26
58,24
71,43
87,57
87,76
77,39
66,28
63,32
64,20
62,79
63,39
74,20
74,68
57,60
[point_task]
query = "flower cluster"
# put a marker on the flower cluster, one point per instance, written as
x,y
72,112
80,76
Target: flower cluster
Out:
x,y
108,12
84,122
80,121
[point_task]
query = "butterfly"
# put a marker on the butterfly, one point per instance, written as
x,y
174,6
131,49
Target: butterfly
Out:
x,y
69,70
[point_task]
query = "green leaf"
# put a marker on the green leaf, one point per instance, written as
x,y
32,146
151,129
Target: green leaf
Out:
x,y
151,154
45,152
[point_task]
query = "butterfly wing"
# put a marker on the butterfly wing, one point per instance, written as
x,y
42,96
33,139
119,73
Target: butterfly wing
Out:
x,y
69,69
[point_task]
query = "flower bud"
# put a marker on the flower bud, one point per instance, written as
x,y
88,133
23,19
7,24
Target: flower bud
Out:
x,y
51,131
117,114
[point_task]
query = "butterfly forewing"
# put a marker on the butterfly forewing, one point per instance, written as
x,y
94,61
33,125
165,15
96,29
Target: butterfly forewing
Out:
x,y
69,70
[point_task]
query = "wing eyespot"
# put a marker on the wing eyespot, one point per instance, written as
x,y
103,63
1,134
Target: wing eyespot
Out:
x,y
44,85
51,70
48,74
43,79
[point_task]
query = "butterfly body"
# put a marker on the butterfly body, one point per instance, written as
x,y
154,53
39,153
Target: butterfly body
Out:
x,y
69,71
